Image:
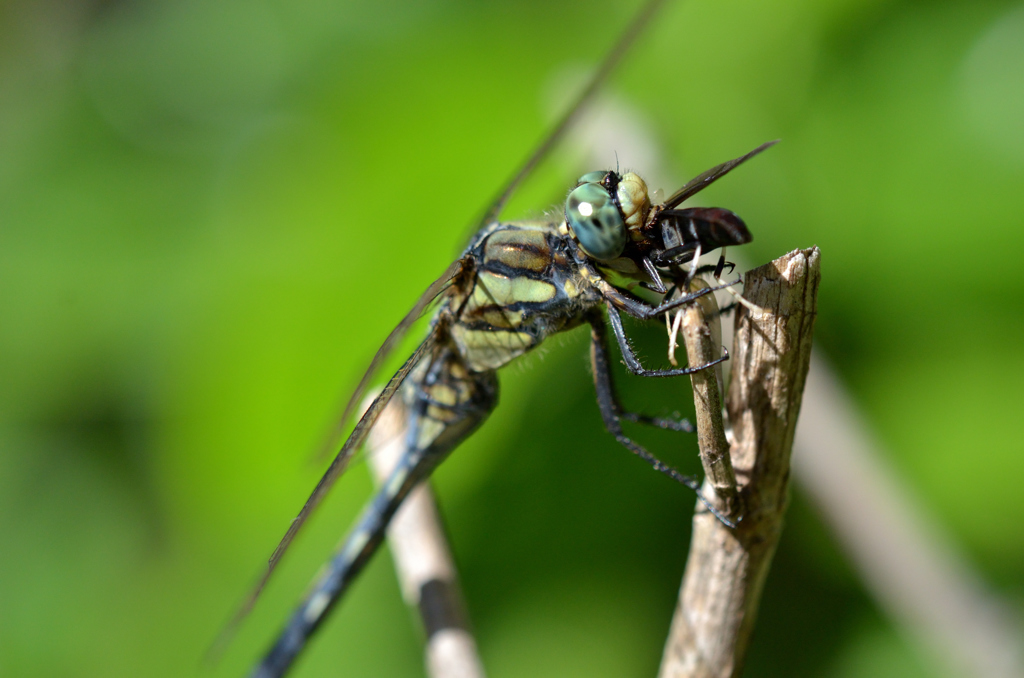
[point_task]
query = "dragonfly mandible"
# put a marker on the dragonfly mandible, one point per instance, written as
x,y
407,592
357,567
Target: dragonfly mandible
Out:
x,y
516,284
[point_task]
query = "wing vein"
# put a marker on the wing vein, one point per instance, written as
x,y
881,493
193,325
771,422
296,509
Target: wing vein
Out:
x,y
429,295
334,471
610,61
705,179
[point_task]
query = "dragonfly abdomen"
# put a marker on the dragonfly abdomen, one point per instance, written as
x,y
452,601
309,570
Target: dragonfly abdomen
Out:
x,y
444,402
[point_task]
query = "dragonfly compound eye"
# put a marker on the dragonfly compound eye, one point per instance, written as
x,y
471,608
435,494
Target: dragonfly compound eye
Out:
x,y
595,220
592,177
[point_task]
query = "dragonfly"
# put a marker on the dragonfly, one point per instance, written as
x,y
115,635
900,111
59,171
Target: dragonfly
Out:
x,y
515,284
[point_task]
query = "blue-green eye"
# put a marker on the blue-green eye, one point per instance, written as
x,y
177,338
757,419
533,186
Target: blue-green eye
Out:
x,y
592,177
595,221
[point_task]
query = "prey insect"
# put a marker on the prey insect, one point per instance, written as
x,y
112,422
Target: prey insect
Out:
x,y
516,284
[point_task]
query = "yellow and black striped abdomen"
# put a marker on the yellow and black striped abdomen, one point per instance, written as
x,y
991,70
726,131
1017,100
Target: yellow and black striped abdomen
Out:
x,y
525,290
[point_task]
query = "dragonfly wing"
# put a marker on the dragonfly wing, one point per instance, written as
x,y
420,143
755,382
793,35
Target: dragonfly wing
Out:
x,y
613,58
705,179
334,471
468,398
436,288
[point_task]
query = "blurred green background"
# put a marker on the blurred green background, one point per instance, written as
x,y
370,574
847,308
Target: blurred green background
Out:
x,y
212,212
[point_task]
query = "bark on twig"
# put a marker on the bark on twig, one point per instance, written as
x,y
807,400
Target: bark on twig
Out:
x,y
726,567
702,348
423,561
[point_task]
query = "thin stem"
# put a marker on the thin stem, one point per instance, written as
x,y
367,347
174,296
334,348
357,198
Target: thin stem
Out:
x,y
698,320
726,568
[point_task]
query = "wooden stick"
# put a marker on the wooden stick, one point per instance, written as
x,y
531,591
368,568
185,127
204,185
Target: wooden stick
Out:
x,y
423,560
726,568
699,322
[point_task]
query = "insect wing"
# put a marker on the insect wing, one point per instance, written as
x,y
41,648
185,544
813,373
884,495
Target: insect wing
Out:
x,y
334,471
705,179
610,61
436,288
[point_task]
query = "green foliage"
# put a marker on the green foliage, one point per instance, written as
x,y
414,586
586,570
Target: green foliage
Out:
x,y
212,213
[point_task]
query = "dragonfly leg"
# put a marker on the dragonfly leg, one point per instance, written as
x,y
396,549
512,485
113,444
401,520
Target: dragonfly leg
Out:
x,y
641,309
654,311
609,407
667,423
633,363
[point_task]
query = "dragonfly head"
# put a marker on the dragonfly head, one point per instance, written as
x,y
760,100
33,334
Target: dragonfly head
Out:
x,y
603,208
